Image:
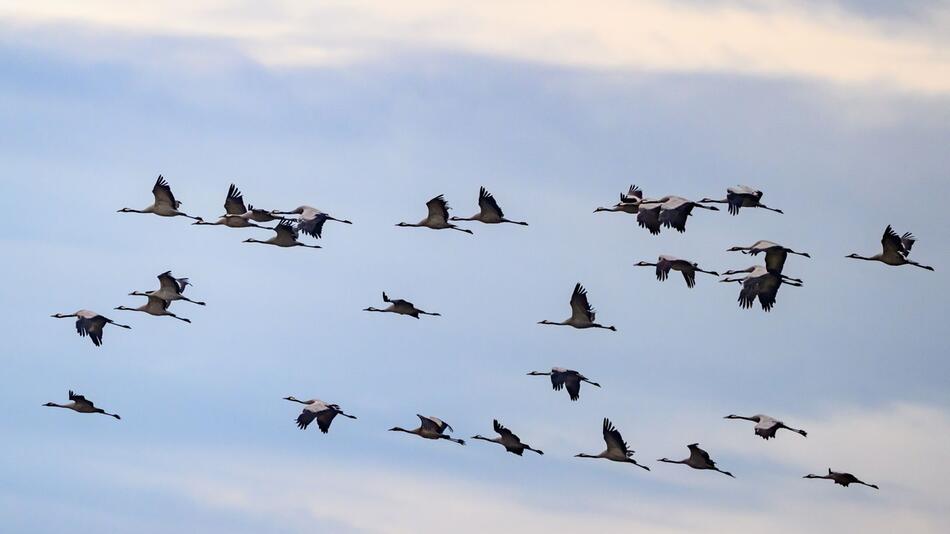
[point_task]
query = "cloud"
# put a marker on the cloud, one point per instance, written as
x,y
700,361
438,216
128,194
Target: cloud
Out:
x,y
294,491
771,39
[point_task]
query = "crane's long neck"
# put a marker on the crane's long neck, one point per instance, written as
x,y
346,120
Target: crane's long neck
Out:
x,y
583,455
753,419
54,405
668,461
483,438
714,201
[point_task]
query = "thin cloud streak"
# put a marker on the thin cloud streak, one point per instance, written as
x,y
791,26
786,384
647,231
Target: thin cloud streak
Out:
x,y
777,39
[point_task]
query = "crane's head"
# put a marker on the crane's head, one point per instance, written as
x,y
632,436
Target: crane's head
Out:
x,y
736,249
643,264
50,404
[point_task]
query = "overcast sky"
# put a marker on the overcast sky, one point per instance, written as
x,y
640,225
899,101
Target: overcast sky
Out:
x,y
840,112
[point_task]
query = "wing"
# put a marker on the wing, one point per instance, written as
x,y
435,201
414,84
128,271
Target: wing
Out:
x,y
285,229
503,432
314,226
749,291
487,203
613,438
168,283
690,276
80,399
324,418
438,209
305,418
633,194
649,219
775,259
580,307
163,193
695,453
573,385
557,380
434,424
896,245
675,217
234,204
663,266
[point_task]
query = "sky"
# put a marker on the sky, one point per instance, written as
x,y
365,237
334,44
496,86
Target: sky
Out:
x,y
838,111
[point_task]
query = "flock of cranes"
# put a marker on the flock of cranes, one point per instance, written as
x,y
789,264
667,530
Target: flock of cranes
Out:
x,y
760,282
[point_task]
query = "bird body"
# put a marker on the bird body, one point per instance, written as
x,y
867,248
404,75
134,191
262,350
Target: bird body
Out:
x,y
741,196
170,289
775,254
617,448
400,306
438,217
629,202
489,211
431,428
155,306
843,479
698,459
895,250
766,426
311,220
666,263
164,205
90,323
322,412
562,378
81,405
508,440
582,314
286,237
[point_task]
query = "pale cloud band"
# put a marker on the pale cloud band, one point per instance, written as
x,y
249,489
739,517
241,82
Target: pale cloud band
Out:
x,y
774,39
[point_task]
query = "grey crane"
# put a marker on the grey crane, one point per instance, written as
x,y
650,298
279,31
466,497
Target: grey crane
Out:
x,y
741,196
90,323
438,217
665,263
236,214
310,220
286,237
762,284
844,479
489,211
431,428
582,314
766,426
629,202
164,205
775,254
319,410
155,306
617,448
698,459
507,439
569,379
81,404
170,289
675,210
400,306
896,250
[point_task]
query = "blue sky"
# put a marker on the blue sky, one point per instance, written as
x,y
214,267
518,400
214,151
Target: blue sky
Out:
x,y
367,111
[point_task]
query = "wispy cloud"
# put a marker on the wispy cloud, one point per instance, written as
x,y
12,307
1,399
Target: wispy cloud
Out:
x,y
295,491
767,39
